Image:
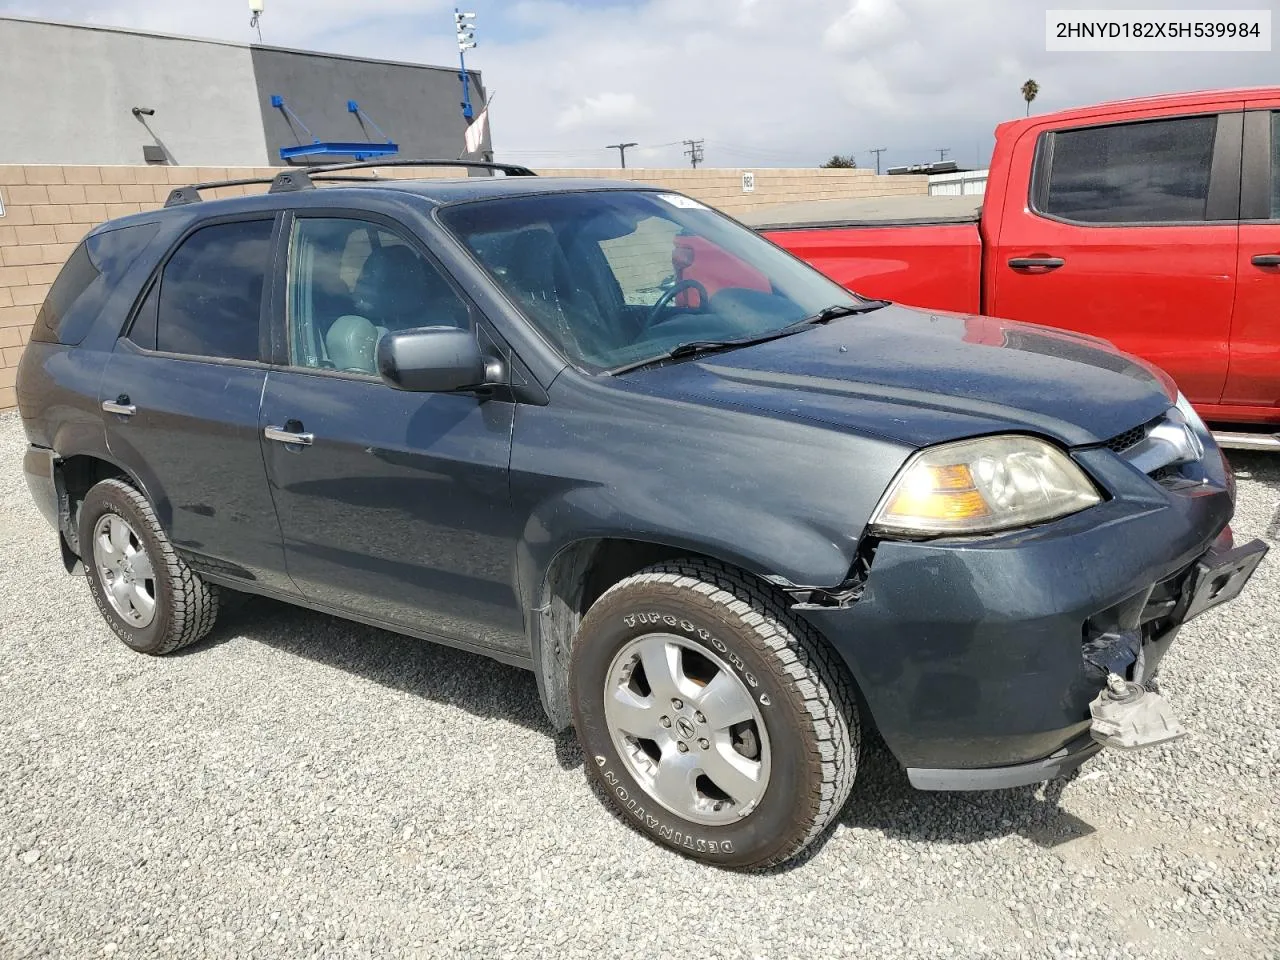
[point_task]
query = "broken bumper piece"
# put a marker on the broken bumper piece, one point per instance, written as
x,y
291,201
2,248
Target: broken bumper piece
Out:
x,y
1128,716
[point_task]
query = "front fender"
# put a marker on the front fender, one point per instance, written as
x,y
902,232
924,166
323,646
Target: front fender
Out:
x,y
783,550
786,499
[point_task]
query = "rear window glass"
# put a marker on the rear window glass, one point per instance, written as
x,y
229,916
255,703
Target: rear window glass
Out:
x,y
1151,172
211,292
87,279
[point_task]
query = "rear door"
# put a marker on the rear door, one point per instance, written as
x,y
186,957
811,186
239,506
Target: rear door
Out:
x,y
1129,233
1254,377
180,397
395,506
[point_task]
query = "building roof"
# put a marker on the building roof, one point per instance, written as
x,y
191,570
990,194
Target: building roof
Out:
x,y
101,28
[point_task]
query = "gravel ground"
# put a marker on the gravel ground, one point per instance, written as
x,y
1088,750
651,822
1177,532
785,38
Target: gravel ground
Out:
x,y
300,786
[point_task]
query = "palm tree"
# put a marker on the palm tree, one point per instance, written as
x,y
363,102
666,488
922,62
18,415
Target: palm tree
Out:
x,y
1029,91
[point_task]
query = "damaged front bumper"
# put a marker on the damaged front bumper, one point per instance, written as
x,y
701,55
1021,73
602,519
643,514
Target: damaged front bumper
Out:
x,y
979,660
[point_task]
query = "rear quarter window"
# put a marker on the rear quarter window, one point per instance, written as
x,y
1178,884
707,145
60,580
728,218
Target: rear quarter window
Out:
x,y
86,280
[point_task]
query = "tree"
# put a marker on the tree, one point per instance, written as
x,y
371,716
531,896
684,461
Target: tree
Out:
x,y
1029,91
837,162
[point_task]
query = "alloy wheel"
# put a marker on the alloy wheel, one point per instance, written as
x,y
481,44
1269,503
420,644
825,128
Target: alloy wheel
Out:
x,y
688,728
125,570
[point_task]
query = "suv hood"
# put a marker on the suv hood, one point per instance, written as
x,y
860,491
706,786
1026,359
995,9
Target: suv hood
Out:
x,y
923,377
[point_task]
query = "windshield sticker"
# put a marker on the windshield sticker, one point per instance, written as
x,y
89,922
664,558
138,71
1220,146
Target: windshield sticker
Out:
x,y
684,203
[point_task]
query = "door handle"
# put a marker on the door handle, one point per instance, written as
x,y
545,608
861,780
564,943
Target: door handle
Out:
x,y
1029,263
1266,260
288,436
120,405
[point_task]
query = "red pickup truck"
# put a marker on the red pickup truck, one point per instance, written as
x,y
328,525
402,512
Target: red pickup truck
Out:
x,y
1154,223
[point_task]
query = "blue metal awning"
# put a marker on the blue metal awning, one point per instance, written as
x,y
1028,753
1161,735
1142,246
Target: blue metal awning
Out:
x,y
360,149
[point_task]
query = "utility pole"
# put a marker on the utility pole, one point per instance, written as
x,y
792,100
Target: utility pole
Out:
x,y
877,151
694,153
622,151
466,30
942,153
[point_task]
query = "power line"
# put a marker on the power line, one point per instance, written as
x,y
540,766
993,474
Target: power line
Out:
x,y
877,151
622,151
694,153
942,153
752,151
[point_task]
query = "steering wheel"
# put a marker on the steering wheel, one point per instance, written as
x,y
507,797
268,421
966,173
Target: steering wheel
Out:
x,y
679,287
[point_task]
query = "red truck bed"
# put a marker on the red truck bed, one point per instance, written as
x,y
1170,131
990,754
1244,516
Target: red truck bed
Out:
x,y
939,267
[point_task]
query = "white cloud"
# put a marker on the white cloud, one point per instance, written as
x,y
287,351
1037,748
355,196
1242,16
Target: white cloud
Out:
x,y
867,25
604,111
764,82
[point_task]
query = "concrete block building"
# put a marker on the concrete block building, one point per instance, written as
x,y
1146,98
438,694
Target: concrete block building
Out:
x,y
90,95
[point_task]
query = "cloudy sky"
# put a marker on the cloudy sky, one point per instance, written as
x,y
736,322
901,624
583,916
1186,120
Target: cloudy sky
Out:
x,y
763,82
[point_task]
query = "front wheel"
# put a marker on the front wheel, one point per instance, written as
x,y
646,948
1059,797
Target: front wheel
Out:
x,y
716,722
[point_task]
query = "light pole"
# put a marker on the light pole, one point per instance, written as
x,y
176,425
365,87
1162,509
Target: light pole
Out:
x,y
466,30
622,151
256,8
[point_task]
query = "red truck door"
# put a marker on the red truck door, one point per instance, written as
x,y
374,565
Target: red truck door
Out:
x,y
1129,232
1253,379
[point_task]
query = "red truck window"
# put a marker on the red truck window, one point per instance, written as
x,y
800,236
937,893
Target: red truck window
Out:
x,y
1150,172
1275,166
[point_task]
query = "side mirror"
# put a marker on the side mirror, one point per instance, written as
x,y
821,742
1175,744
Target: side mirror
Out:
x,y
435,360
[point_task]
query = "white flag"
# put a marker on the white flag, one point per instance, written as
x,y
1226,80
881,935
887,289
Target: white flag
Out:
x,y
475,132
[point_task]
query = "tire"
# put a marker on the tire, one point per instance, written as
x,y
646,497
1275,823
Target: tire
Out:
x,y
116,520
751,794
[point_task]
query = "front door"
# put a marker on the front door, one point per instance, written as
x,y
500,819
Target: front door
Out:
x,y
1129,234
394,505
1253,383
181,394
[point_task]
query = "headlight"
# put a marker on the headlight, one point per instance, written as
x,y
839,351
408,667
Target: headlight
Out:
x,y
979,486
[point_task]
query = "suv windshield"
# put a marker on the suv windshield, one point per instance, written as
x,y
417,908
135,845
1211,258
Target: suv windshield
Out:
x,y
616,277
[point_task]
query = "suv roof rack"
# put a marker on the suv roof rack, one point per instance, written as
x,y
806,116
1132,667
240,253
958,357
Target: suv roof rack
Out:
x,y
288,181
510,169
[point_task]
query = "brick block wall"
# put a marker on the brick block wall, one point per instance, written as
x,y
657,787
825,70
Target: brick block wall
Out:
x,y
49,209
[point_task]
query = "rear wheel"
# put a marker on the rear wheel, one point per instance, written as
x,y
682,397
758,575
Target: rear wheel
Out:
x,y
716,722
153,601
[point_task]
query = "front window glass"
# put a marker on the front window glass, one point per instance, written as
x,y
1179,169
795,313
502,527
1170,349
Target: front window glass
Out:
x,y
351,281
614,277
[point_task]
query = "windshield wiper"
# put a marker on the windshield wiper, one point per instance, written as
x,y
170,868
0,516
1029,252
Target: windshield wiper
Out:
x,y
692,348
837,310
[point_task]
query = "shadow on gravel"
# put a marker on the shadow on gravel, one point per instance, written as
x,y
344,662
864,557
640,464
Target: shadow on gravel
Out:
x,y
1263,469
1252,465
455,678
884,800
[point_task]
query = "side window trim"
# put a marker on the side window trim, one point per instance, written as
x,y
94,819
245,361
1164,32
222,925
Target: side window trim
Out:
x,y
1256,168
282,343
126,333
157,274
1223,200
